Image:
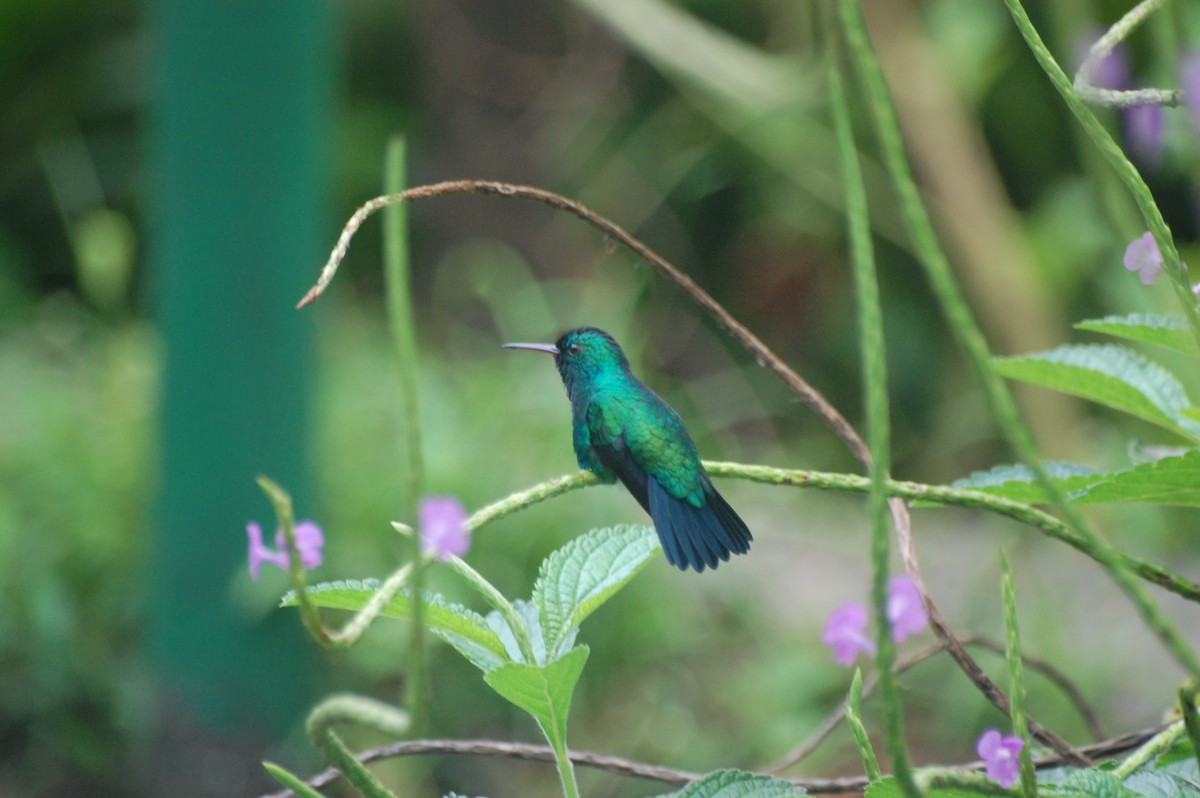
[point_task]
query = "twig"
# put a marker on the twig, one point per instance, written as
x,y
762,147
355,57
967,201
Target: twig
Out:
x,y
969,666
1085,78
628,767
760,351
831,721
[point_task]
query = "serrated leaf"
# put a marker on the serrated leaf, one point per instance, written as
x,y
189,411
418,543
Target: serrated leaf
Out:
x,y
440,615
542,691
888,788
480,656
1017,481
1170,480
530,615
1095,783
576,579
1110,375
1179,765
1151,328
730,783
1163,784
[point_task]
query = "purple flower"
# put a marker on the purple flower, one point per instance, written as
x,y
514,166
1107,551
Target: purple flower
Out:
x,y
1142,256
443,527
1144,131
1189,81
905,608
846,629
846,633
309,541
999,755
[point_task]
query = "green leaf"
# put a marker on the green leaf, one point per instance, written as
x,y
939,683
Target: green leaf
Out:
x,y
542,691
1171,480
686,48
1017,482
1110,375
1151,328
1096,783
291,781
530,615
582,575
440,615
738,784
888,788
1174,773
481,657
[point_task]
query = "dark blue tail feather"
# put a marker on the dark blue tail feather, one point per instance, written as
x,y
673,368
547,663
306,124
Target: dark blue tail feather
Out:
x,y
695,537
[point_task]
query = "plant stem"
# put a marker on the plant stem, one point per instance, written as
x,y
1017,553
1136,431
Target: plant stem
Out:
x,y
344,708
854,719
498,602
1156,745
566,768
398,288
281,501
1151,613
1016,692
874,368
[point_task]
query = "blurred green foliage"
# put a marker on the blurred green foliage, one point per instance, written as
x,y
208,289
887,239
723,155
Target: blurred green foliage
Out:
x,y
719,156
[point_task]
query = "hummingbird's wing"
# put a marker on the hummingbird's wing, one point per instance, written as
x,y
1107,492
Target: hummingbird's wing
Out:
x,y
644,443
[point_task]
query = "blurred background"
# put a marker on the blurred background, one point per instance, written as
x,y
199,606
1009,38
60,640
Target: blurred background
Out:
x,y
172,175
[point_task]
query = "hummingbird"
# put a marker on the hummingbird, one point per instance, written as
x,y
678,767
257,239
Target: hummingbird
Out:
x,y
623,431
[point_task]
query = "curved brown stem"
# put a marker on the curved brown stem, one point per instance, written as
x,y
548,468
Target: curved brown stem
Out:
x,y
628,767
759,350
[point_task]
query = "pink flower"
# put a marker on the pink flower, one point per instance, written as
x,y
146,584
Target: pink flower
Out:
x,y
999,756
309,541
845,631
1142,256
905,608
443,527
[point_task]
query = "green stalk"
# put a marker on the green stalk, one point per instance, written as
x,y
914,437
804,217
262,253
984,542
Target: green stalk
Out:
x,y
398,287
1151,613
344,708
1191,719
854,719
1016,691
769,475
291,781
874,366
281,501
566,768
937,270
498,602
1158,744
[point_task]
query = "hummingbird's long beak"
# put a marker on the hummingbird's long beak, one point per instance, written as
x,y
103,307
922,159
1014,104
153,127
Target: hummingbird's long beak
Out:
x,y
549,349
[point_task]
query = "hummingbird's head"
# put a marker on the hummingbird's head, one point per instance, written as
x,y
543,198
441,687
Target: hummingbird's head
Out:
x,y
582,354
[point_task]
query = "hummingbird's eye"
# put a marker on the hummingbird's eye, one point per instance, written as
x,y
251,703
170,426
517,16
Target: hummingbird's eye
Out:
x,y
574,349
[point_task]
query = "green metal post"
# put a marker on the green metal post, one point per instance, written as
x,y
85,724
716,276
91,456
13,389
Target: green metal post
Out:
x,y
238,146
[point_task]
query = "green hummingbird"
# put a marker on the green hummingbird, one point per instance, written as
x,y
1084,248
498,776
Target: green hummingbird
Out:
x,y
623,430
